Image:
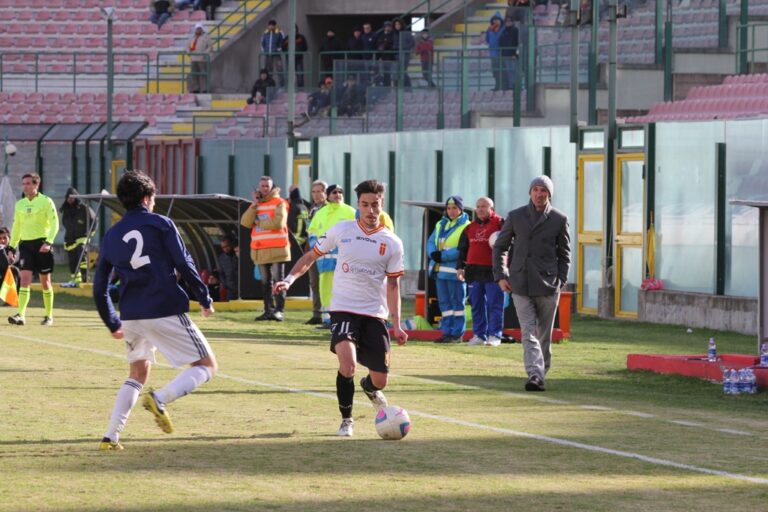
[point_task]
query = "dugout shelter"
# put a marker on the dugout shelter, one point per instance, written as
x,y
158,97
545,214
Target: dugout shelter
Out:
x,y
203,220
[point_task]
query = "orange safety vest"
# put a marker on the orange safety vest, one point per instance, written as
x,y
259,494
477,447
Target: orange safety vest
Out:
x,y
268,238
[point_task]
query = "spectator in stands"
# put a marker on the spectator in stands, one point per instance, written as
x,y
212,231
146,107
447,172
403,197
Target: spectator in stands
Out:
x,y
352,100
404,44
385,44
492,35
356,45
369,41
77,218
319,199
319,102
301,49
475,267
425,47
519,11
271,48
260,92
209,6
267,218
229,268
443,250
508,43
330,50
160,11
200,51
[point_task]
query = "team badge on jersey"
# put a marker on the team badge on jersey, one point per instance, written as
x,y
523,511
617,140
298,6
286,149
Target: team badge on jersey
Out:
x,y
382,249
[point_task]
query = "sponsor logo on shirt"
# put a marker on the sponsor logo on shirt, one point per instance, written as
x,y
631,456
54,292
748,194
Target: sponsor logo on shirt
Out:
x,y
365,239
345,240
357,269
382,249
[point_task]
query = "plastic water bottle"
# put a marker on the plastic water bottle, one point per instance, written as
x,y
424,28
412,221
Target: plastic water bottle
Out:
x,y
727,384
712,350
743,381
735,389
752,380
764,354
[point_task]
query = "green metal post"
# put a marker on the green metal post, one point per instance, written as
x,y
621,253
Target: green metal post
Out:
x,y
231,175
348,174
530,76
546,161
722,24
464,75
291,69
592,64
315,158
267,165
659,31
572,21
110,88
650,182
199,184
491,172
743,39
392,192
439,175
612,43
721,206
668,83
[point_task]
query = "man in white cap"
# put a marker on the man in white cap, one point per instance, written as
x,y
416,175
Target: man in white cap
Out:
x,y
537,270
200,50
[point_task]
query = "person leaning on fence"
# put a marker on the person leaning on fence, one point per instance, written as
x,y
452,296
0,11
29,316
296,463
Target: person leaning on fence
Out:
x,y
536,271
260,91
301,49
160,11
424,48
200,50
443,251
78,222
319,102
271,47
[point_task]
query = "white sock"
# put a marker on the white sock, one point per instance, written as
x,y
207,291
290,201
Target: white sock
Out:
x,y
127,396
184,383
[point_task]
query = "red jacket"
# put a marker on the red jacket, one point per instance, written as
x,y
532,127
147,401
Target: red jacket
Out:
x,y
475,253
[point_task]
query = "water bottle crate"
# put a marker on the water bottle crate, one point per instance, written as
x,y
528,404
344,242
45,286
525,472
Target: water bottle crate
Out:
x,y
698,366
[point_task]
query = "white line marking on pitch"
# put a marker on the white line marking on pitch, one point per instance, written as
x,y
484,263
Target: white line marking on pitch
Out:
x,y
454,421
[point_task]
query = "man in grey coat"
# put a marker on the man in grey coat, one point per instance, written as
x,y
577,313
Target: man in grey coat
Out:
x,y
537,270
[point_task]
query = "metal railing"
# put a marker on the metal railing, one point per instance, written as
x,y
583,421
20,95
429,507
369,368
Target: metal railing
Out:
x,y
235,21
751,48
168,70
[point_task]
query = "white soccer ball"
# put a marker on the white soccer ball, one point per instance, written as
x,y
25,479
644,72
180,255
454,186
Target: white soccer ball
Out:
x,y
492,238
393,423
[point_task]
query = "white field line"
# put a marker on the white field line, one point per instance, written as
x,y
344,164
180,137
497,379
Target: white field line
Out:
x,y
446,419
598,408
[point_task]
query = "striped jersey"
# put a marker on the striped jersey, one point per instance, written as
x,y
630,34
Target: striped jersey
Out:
x,y
365,260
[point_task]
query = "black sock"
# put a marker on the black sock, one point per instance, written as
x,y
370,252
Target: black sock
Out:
x,y
345,392
367,384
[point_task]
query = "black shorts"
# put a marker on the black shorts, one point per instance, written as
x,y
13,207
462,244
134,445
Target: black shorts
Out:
x,y
369,334
30,257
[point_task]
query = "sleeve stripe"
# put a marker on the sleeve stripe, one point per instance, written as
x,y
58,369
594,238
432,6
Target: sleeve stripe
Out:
x,y
318,251
395,274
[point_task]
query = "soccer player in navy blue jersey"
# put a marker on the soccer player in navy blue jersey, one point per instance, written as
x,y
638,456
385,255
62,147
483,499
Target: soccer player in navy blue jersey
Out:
x,y
146,252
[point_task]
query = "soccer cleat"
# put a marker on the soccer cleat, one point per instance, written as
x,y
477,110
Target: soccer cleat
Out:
x,y
493,341
314,321
347,428
47,321
264,317
153,405
476,340
377,398
107,445
16,319
278,316
71,284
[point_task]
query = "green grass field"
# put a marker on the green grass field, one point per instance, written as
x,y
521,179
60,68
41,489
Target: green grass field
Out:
x,y
260,436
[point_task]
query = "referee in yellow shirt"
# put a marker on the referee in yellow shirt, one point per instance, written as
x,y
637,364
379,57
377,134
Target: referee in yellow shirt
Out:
x,y
35,224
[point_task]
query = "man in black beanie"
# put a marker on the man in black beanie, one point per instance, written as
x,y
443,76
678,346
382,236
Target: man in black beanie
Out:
x,y
537,270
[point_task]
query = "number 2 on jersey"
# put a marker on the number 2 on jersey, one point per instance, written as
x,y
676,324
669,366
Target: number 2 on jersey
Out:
x,y
137,260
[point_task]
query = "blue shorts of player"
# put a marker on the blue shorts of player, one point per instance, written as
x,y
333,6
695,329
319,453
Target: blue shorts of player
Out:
x,y
369,334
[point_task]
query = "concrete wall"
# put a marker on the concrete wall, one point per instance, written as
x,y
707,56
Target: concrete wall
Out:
x,y
737,314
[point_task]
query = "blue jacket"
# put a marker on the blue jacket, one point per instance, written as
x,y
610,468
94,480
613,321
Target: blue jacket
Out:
x,y
445,238
146,251
492,38
272,42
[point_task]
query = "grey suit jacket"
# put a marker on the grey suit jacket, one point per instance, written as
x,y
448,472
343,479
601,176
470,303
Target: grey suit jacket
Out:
x,y
541,256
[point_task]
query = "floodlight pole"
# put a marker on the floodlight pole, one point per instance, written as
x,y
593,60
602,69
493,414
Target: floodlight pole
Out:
x,y
109,14
291,69
573,21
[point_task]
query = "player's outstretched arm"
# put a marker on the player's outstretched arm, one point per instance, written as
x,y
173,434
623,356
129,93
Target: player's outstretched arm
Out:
x,y
393,303
298,270
101,297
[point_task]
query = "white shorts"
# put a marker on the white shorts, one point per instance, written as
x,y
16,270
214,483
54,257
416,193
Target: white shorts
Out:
x,y
177,337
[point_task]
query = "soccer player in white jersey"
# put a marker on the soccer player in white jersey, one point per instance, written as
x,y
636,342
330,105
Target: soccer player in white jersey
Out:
x,y
366,290
146,252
